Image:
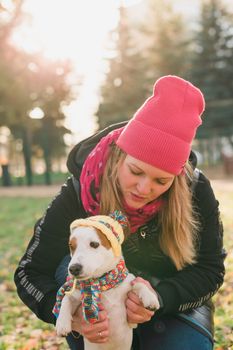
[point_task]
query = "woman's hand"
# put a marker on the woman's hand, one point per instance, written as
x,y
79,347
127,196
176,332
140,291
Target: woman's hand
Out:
x,y
95,333
136,312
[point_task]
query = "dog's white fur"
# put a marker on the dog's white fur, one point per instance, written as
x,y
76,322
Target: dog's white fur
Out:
x,y
96,262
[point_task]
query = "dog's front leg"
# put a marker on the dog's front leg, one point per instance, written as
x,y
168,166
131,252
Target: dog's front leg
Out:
x,y
148,297
68,307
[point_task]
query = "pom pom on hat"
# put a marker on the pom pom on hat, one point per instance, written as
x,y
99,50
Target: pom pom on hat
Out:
x,y
162,130
111,226
120,217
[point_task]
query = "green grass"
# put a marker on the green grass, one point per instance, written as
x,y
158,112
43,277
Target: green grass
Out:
x,y
224,298
20,329
39,179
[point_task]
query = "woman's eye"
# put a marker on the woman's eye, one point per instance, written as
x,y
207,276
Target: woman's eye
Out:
x,y
161,182
94,245
134,172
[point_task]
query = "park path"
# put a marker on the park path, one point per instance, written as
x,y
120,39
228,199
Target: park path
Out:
x,y
50,191
29,191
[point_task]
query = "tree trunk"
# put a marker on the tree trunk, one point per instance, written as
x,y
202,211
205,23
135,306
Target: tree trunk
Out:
x,y
47,168
26,137
47,155
6,178
230,140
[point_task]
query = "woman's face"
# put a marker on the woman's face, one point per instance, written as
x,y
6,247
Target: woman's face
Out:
x,y
141,183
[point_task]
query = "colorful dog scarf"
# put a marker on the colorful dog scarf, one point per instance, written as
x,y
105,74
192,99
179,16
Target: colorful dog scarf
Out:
x,y
91,291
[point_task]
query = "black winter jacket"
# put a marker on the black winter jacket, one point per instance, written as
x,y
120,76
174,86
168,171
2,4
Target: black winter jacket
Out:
x,y
179,290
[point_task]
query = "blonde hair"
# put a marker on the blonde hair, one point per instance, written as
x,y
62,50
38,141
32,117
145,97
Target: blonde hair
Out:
x,y
177,218
179,222
109,188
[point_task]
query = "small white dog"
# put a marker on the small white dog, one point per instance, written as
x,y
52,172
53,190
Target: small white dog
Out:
x,y
97,273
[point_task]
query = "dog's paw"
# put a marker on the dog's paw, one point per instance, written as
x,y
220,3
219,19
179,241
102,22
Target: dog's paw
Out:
x,y
148,298
63,327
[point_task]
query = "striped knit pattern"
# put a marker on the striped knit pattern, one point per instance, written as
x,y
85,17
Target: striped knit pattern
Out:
x,y
120,217
91,291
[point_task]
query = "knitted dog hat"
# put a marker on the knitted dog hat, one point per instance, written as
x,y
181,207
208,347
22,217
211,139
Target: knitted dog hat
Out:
x,y
111,226
162,130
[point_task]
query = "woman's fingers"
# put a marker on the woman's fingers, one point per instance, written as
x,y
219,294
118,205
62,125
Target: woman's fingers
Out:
x,y
136,312
134,298
97,332
99,337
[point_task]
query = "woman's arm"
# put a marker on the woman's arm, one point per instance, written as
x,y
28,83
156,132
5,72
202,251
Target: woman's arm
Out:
x,y
195,284
34,277
191,287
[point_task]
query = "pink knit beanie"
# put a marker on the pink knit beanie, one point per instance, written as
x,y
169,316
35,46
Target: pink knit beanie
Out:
x,y
162,129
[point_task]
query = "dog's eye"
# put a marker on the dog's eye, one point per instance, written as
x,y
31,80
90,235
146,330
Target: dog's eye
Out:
x,y
94,244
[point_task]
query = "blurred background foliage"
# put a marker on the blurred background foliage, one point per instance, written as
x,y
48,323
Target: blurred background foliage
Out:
x,y
34,90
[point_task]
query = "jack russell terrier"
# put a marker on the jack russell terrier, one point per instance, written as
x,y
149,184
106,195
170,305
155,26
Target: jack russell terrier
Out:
x,y
97,274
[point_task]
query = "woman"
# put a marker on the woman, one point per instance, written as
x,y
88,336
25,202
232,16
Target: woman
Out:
x,y
146,169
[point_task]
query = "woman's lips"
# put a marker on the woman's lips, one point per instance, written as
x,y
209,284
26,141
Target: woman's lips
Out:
x,y
137,198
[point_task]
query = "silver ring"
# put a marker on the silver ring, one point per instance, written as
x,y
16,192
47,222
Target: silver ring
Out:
x,y
100,334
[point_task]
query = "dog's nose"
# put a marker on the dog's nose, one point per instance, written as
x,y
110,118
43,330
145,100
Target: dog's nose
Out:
x,y
75,269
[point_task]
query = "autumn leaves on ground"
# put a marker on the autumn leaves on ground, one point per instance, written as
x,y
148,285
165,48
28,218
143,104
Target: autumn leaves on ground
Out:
x,y
20,329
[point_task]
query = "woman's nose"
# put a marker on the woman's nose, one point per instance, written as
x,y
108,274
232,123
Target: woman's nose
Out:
x,y
144,186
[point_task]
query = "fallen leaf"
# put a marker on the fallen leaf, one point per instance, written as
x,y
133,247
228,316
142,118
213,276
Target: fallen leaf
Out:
x,y
30,344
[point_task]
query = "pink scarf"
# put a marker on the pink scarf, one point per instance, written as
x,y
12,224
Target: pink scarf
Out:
x,y
90,185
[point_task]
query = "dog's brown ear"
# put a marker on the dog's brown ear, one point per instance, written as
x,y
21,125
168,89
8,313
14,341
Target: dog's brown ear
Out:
x,y
104,241
73,244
